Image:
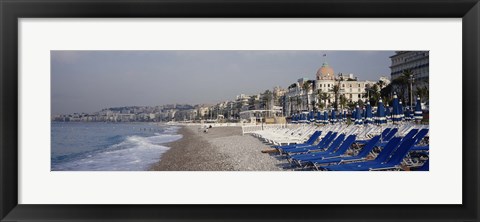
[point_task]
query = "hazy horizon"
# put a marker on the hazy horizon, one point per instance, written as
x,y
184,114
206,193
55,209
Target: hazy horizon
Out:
x,y
88,81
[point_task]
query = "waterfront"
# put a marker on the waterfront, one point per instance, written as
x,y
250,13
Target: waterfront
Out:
x,y
108,146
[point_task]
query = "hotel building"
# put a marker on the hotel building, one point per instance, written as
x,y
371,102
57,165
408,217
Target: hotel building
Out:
x,y
298,99
415,61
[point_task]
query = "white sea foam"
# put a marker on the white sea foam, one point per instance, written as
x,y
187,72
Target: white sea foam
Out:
x,y
133,153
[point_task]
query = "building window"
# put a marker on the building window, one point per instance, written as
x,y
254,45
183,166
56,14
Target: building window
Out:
x,y
328,85
359,85
343,85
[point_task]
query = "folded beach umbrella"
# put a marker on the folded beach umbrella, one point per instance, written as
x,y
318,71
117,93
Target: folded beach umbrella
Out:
x,y
388,113
396,109
358,116
407,114
311,116
401,110
334,117
344,119
381,119
411,112
325,117
418,110
364,115
318,117
368,114
293,119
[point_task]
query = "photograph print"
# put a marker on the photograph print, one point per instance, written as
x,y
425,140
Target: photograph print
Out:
x,y
239,110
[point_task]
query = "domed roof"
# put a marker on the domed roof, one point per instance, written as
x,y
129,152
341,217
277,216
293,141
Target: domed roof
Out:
x,y
325,72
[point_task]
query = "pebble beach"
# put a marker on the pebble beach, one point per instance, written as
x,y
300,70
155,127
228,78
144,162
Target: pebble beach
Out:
x,y
220,149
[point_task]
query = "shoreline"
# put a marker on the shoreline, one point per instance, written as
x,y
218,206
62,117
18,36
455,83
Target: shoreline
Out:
x,y
185,154
221,149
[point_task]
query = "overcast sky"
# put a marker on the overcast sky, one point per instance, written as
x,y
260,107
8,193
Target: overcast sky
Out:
x,y
87,81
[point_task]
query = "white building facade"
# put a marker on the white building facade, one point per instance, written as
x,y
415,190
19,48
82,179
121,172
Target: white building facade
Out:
x,y
415,61
299,100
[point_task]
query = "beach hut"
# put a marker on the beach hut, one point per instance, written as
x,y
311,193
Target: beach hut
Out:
x,y
418,110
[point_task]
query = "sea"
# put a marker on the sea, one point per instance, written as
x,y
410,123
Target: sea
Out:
x,y
100,146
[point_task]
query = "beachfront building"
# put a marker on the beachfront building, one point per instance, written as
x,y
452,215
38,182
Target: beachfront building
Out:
x,y
417,62
202,111
319,94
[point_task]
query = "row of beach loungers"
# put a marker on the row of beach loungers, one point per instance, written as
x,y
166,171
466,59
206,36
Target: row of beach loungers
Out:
x,y
351,147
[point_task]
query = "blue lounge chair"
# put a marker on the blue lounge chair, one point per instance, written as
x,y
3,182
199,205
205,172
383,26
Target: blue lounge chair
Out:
x,y
309,142
409,135
397,158
390,134
392,163
326,138
382,156
359,157
324,144
420,135
320,155
330,147
424,167
383,135
420,148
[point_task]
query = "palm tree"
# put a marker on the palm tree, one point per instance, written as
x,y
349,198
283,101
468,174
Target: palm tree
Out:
x,y
423,92
267,98
343,101
336,91
299,102
306,87
373,94
290,100
323,97
314,106
403,82
381,84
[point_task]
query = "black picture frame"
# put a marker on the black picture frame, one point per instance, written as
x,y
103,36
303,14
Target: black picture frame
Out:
x,y
12,10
